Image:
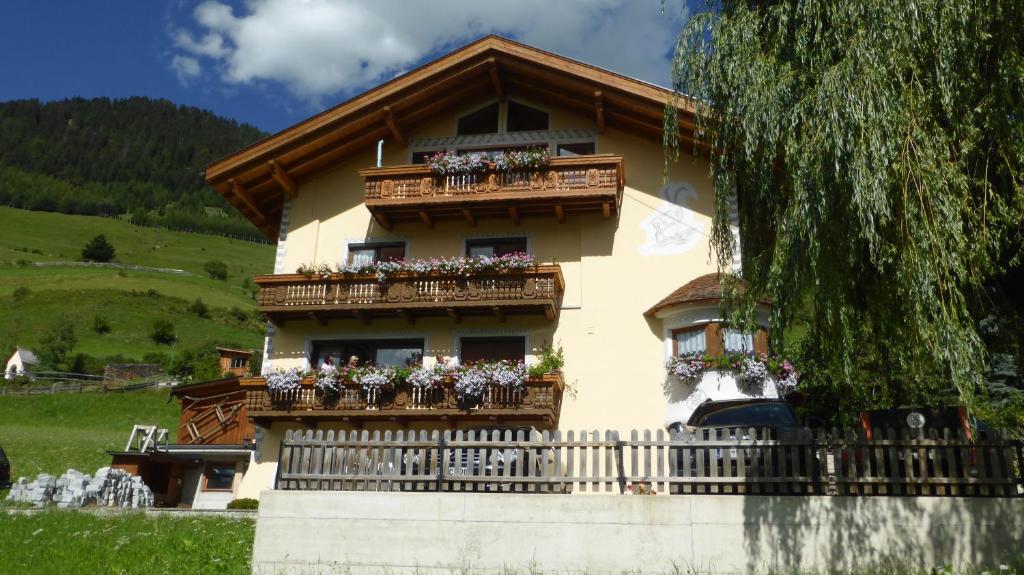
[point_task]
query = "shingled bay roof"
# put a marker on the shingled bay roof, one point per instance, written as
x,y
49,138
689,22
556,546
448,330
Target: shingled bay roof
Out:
x,y
257,178
704,288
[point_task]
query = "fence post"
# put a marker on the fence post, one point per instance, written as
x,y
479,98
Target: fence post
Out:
x,y
441,464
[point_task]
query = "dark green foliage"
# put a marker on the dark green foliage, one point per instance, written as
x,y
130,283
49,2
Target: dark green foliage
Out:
x,y
244,503
198,308
197,364
250,287
20,293
133,156
98,250
162,332
56,345
217,269
876,154
100,325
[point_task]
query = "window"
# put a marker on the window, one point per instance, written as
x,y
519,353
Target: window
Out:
x,y
482,121
241,361
219,476
580,149
421,157
523,118
492,348
736,341
689,340
495,247
365,254
383,352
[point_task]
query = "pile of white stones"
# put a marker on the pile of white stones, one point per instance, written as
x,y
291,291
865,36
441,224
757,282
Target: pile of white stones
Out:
x,y
109,488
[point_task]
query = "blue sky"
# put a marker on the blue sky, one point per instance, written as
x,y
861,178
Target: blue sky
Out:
x,y
275,62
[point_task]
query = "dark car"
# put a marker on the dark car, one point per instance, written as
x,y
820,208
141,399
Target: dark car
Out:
x,y
772,420
5,470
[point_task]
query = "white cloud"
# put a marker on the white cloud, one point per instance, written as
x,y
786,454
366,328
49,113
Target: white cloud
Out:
x,y
321,47
187,68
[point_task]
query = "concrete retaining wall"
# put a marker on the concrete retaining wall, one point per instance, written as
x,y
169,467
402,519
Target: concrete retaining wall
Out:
x,y
365,532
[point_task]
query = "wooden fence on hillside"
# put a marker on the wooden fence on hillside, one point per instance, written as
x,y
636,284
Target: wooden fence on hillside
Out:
x,y
45,383
710,461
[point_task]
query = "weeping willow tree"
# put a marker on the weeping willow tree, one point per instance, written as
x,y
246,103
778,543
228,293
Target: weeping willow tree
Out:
x,y
875,151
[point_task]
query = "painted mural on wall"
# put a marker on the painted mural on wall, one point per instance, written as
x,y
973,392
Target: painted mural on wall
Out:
x,y
673,228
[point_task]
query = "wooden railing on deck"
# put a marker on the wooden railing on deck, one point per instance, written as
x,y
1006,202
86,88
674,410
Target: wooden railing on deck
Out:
x,y
540,399
540,286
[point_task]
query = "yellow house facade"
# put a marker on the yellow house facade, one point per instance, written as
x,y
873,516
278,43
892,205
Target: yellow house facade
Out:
x,y
611,232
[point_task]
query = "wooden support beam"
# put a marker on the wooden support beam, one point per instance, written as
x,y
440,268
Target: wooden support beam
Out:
x,y
276,322
362,316
499,313
468,214
241,194
382,219
606,210
409,318
396,133
549,312
492,67
426,218
599,111
317,317
291,189
454,314
560,213
513,212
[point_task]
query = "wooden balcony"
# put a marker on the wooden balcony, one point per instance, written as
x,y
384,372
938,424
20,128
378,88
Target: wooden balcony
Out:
x,y
579,184
540,402
408,296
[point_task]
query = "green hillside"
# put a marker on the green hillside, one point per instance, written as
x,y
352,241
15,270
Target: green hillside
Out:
x,y
51,433
135,156
39,297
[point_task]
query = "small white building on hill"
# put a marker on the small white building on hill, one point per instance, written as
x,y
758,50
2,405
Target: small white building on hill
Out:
x,y
20,362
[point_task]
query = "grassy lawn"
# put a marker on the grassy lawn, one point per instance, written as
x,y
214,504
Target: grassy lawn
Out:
x,y
74,542
60,237
130,315
50,433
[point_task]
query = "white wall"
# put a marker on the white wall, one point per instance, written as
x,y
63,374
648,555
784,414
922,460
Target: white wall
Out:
x,y
366,532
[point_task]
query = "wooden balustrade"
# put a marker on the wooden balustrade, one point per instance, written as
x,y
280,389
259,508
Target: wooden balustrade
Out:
x,y
578,184
410,295
539,401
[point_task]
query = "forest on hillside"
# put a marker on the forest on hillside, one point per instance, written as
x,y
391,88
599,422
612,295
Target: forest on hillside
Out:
x,y
138,158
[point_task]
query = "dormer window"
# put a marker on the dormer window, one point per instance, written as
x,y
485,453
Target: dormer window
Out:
x,y
482,121
523,118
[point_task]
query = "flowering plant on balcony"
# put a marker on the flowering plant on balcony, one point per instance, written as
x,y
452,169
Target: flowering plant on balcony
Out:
x,y
434,376
281,380
471,381
752,370
454,164
462,266
322,270
532,158
376,379
328,380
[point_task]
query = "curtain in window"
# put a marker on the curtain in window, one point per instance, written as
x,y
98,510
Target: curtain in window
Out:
x,y
690,342
738,341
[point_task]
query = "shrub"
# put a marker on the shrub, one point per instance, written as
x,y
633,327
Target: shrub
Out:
x,y
21,293
244,503
217,269
198,308
551,361
100,325
162,332
98,250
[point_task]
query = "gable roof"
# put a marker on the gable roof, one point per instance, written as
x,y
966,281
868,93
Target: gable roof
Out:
x,y
257,178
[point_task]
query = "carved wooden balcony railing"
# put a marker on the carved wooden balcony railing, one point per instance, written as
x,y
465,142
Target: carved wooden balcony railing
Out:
x,y
286,297
539,401
578,184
